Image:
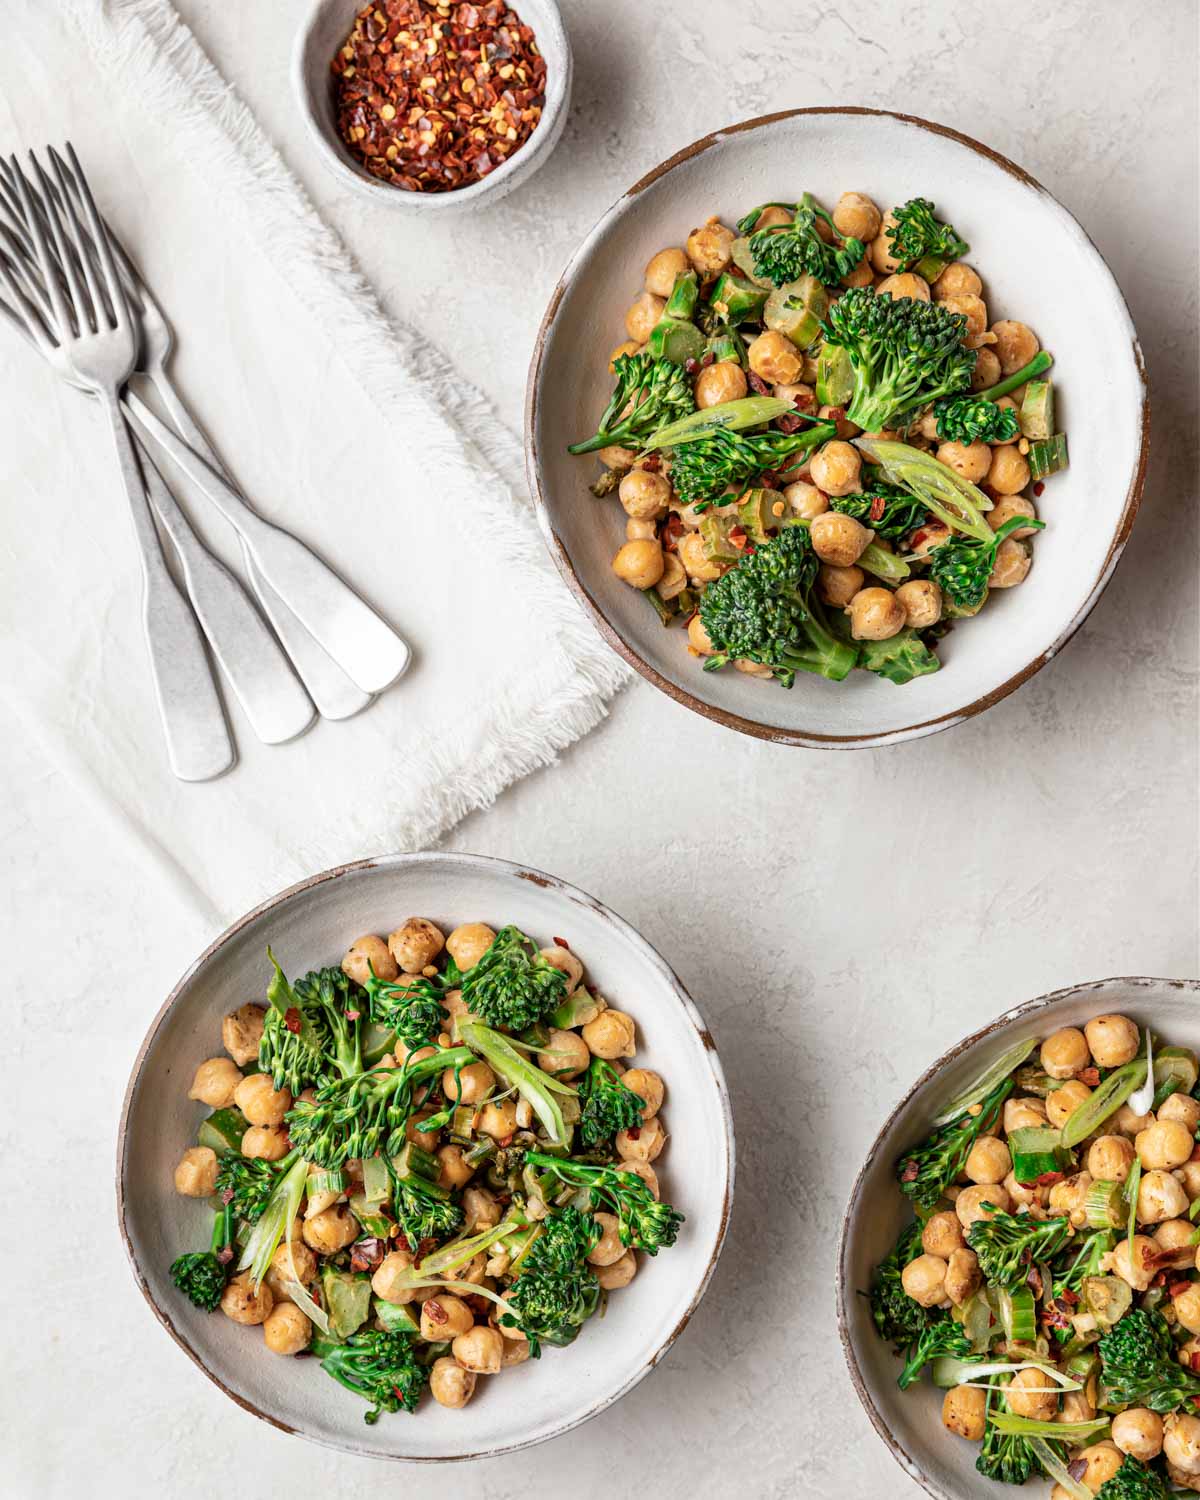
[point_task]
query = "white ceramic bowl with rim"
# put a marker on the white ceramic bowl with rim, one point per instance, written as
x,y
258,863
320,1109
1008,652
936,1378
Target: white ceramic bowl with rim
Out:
x,y
328,25
311,925
1038,266
910,1422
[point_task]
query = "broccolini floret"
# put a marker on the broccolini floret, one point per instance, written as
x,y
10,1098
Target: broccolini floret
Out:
x,y
890,512
310,1030
200,1276
556,1290
785,252
944,1337
512,985
1005,1457
248,1182
1133,1481
643,1223
705,468
412,1009
421,1217
926,1172
608,1106
649,393
898,1318
1138,1359
1007,1245
962,565
921,242
380,1367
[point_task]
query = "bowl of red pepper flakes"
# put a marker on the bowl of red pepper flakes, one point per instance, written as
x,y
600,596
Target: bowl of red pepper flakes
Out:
x,y
433,104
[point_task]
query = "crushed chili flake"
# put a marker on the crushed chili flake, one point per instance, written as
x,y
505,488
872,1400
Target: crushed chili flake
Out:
x,y
562,943
1090,1076
225,1256
1039,488
353,1015
738,537
1194,1361
910,1172
432,97
878,504
1047,1179
789,423
1177,1288
291,1019
437,1313
758,384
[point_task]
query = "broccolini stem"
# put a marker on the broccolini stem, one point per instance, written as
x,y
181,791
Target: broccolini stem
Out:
x,y
1041,361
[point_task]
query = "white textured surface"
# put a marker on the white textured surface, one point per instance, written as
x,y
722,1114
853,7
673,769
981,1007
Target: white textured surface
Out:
x,y
839,920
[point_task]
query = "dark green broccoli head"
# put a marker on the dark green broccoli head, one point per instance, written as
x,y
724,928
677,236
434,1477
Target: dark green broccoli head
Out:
x,y
648,394
904,354
246,1183
925,1172
422,1218
1139,1365
1007,1245
897,1317
412,1009
888,510
1133,1481
310,1030
1006,1457
608,1106
512,985
962,566
970,419
555,1291
643,1223
704,469
200,1277
784,253
380,1367
764,610
919,240
944,1337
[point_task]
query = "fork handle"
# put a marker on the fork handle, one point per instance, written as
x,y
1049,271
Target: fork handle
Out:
x,y
199,746
366,648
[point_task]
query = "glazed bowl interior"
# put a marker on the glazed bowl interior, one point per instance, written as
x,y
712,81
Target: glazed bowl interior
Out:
x,y
1037,265
910,1421
311,925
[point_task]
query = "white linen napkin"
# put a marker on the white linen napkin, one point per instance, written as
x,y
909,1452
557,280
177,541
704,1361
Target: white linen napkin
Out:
x,y
350,430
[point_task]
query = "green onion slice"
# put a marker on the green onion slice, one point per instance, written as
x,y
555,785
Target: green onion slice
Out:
x,y
977,1091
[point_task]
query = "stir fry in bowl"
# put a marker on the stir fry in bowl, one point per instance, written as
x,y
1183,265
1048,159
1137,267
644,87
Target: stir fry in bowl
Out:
x,y
1048,1283
826,450
427,1164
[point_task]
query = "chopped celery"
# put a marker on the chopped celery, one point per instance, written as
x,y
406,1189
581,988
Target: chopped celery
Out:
x,y
1048,457
1036,1152
376,1185
796,309
735,299
222,1131
835,376
1105,1205
394,1318
1037,410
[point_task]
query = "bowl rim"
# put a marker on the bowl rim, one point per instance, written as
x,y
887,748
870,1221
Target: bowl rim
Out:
x,y
467,861
845,1291
628,651
523,162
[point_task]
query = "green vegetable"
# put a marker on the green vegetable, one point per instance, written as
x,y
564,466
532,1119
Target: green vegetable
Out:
x,y
756,515
395,1319
1071,1432
1139,1364
412,1012
347,1300
1036,1152
974,415
897,1317
1037,410
643,1222
649,393
308,1034
250,1182
1133,1481
1107,1298
835,376
1105,1205
936,1341
784,252
1016,1312
883,564
737,300
703,468
795,309
281,1208
1175,1071
979,1088
380,1367
899,659
540,1090
905,354
1048,457
1087,1118
222,1132
608,1106
576,1010
922,243
1053,1463
888,509
556,1290
928,1170
201,1275
962,566
947,495
512,985
1005,1456
675,336
766,610
733,416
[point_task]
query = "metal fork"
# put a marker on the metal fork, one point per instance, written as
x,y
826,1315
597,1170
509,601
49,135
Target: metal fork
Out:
x,y
99,346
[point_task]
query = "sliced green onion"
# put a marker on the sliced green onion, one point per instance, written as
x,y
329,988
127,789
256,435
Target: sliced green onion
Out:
x,y
1105,1206
1132,1186
1175,1072
883,564
1077,1432
282,1207
1107,1298
1017,1313
977,1091
326,1182
376,1183
948,1372
980,1374
1104,1101
955,501
1036,1150
732,416
1057,1470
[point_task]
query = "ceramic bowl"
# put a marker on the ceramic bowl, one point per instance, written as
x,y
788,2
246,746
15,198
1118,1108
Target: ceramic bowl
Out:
x,y
329,24
909,1422
311,925
1038,266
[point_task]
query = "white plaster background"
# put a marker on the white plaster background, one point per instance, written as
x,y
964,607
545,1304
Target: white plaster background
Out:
x,y
838,918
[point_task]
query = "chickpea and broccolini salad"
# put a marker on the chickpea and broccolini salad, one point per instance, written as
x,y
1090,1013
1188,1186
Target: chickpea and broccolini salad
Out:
x,y
823,447
425,1164
1049,1280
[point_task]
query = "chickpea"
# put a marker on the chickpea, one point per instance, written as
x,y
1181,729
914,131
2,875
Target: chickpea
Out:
x,y
1138,1271
1023,1114
1102,1461
369,955
1109,1158
963,1276
612,1034
444,1317
969,1205
286,1330
480,1350
331,1231
215,1082
387,1282
643,315
957,280
720,382
875,615
709,248
1138,1432
1006,508
698,637
645,1171
643,1142
1166,1143
986,372
1008,473
1031,1394
1189,1176
922,541
265,1142
649,1087
1173,1238
1187,1307
455,1169
971,460
565,1056
662,269
837,586
695,559
1077,1405
1181,1442
839,539
988,1161
861,275
921,601
608,1247
836,469
1069,1196
1181,1107
616,457
641,531
1125,1122
244,1303
196,1174
449,1384
1065,1053
467,945
974,309
880,250
1160,1197
1062,1103
964,1410
416,943
241,1032
472,1084
644,494
771,217
1113,1040
774,358
904,284
1026,1194
260,1102
924,1279
565,962
639,564
293,1261
805,499
1178,1477
620,1273
856,217
498,1120
627,346
513,1352
1015,346
426,1139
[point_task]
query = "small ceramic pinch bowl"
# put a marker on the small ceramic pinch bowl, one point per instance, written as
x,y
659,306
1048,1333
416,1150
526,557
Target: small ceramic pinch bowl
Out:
x,y
329,23
910,1422
1038,266
311,925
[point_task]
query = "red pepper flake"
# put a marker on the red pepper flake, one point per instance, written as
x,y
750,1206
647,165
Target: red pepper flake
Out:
x,y
1196,1401
1055,1316
653,463
291,1019
562,943
227,1196
1090,1076
353,1015
691,365
738,538
1038,487
225,1256
1047,1179
366,1254
789,423
437,1313
707,360
910,1172
671,532
1070,1298
1194,1361
430,98
803,401
758,384
634,1133
878,505
1178,1287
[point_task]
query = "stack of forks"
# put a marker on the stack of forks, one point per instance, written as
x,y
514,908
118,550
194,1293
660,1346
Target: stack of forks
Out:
x,y
67,285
